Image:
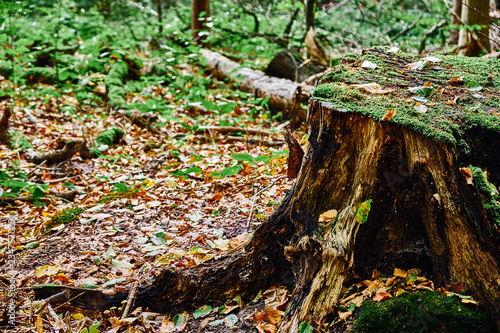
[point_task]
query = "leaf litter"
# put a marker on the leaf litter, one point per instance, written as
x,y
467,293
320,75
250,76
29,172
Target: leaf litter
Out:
x,y
167,197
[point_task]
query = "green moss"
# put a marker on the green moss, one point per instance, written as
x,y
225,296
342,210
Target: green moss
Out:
x,y
63,217
490,193
107,138
421,312
114,84
444,121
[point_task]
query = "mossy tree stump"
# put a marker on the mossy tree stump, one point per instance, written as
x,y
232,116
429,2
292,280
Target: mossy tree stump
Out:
x,y
425,211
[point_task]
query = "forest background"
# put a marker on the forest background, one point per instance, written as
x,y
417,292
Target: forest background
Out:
x,y
152,161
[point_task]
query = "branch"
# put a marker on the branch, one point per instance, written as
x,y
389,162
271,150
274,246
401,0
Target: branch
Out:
x,y
430,33
411,26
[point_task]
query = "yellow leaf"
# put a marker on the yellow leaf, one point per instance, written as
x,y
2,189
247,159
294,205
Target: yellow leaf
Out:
x,y
78,316
47,271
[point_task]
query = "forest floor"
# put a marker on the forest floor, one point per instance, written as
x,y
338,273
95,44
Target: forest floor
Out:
x,y
148,202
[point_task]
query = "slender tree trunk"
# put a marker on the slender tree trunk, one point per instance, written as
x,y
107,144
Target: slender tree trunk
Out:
x,y
201,13
475,12
160,17
310,7
456,20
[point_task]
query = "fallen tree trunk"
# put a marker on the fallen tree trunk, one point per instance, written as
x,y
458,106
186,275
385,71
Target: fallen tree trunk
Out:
x,y
425,211
283,94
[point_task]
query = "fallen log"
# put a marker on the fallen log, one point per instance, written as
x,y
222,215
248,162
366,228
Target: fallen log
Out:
x,y
373,145
283,94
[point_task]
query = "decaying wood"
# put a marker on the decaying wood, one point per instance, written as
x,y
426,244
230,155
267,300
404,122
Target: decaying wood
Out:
x,y
4,126
56,156
294,160
284,94
314,48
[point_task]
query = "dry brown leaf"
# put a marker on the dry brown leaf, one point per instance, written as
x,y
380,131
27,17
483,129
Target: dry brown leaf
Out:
x,y
260,316
273,315
266,328
372,88
390,281
400,273
39,324
344,315
328,215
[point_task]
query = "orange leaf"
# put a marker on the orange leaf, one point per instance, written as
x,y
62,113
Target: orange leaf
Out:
x,y
427,84
216,197
388,116
273,315
381,295
266,328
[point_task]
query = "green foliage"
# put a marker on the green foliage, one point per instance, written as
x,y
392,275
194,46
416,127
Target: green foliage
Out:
x,y
491,194
65,216
305,327
421,312
19,140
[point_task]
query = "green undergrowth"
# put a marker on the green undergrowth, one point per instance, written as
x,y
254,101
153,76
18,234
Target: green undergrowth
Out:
x,y
490,193
422,312
459,93
63,217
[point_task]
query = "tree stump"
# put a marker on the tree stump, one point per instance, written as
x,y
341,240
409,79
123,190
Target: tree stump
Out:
x,y
432,206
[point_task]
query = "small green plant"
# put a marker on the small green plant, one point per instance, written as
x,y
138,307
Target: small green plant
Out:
x,y
63,217
121,191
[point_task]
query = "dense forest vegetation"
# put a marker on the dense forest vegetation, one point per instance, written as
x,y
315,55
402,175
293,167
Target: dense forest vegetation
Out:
x,y
249,166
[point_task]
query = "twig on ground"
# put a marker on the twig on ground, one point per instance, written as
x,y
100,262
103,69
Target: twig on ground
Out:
x,y
255,197
130,300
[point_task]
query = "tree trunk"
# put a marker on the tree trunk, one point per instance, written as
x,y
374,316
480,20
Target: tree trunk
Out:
x,y
456,20
201,13
353,158
310,8
475,12
283,94
160,16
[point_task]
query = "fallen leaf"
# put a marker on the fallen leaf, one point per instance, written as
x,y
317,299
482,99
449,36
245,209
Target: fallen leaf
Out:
x,y
381,295
47,271
400,273
273,315
388,116
266,328
372,88
328,215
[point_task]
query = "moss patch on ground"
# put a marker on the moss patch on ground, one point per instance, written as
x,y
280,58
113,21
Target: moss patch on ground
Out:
x,y
422,312
441,98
